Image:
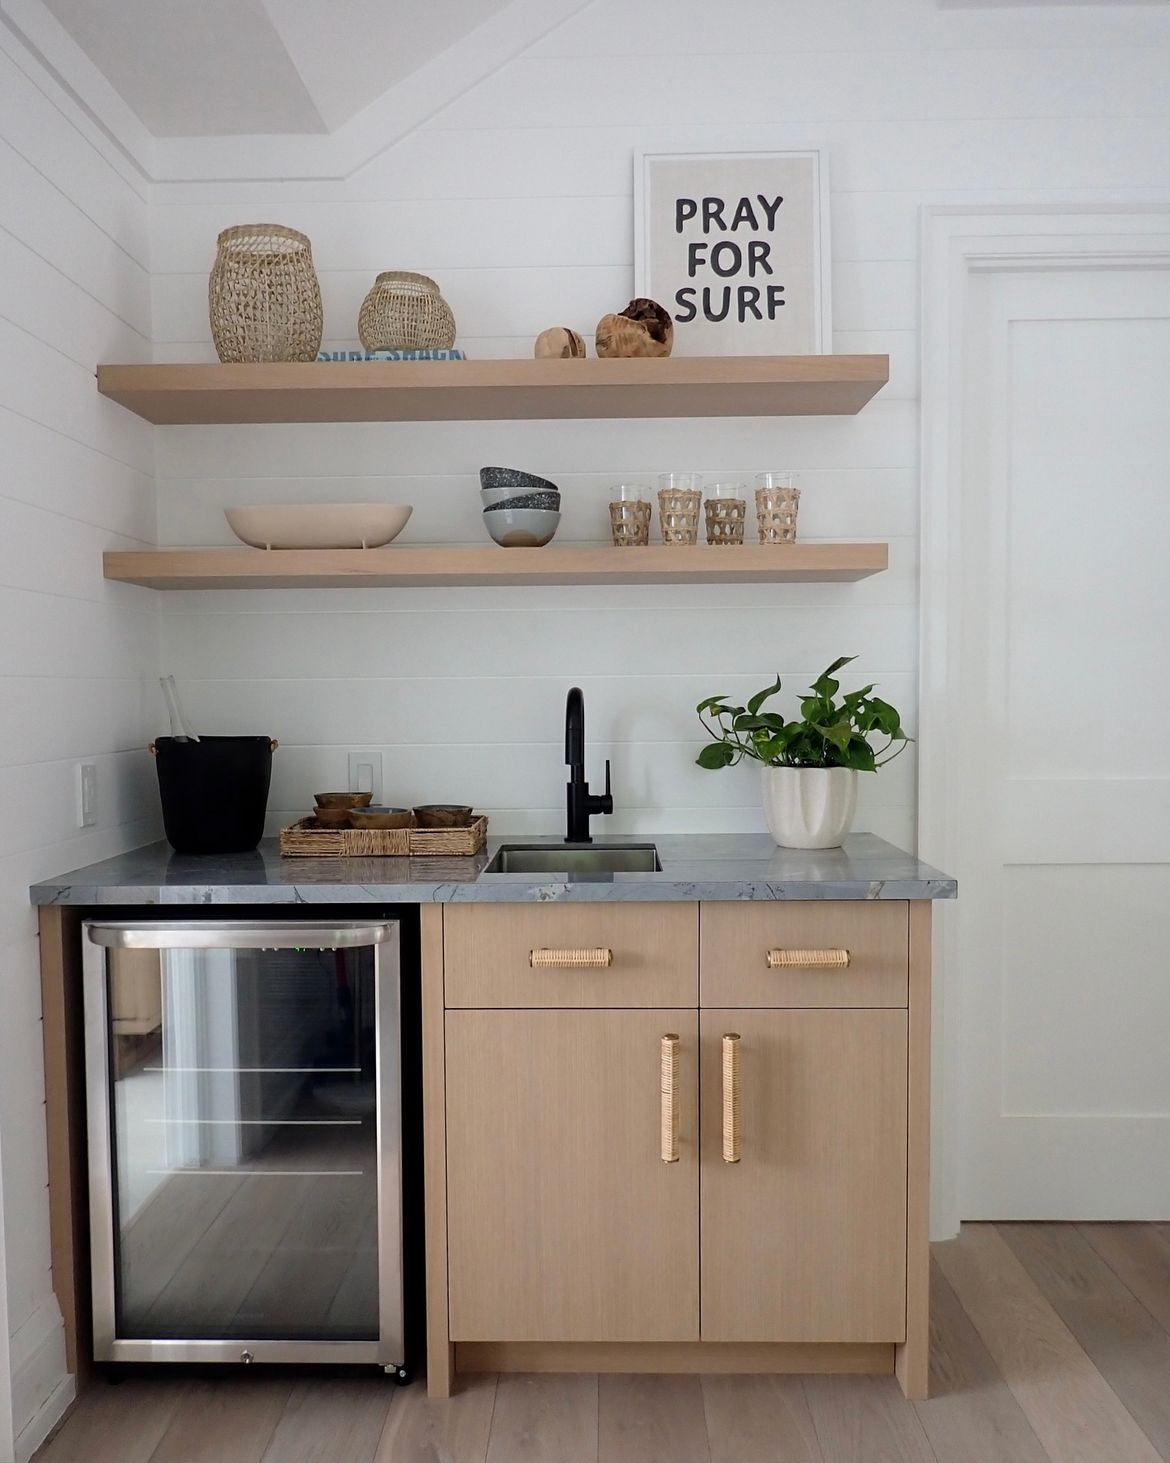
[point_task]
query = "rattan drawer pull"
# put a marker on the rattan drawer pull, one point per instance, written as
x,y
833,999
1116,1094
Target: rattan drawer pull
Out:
x,y
669,1091
569,959
808,959
731,1134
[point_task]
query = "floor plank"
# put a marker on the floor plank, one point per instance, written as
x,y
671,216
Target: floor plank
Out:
x,y
972,1416
1074,1412
865,1420
116,1424
332,1421
541,1418
420,1430
651,1419
1126,1344
758,1420
1138,1254
221,1421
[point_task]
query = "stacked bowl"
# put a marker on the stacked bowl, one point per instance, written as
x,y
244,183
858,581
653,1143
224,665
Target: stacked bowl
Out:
x,y
520,510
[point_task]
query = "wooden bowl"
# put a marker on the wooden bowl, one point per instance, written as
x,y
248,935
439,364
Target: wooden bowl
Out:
x,y
443,815
332,817
342,799
380,817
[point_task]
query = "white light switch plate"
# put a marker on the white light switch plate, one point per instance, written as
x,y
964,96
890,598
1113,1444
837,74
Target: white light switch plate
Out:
x,y
87,794
365,773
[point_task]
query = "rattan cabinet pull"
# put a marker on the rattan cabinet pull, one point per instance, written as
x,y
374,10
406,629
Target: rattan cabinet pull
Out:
x,y
570,959
669,1090
808,959
731,1133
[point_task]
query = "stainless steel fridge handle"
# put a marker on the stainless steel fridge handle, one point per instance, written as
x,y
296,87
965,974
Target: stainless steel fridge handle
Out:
x,y
236,935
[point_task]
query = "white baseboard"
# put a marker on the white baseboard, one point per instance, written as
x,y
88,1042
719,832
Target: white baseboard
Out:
x,y
41,1385
52,1410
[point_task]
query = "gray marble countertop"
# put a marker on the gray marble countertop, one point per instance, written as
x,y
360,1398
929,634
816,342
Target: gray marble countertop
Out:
x,y
694,866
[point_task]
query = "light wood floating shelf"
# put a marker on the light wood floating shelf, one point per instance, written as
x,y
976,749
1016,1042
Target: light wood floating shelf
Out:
x,y
406,567
434,391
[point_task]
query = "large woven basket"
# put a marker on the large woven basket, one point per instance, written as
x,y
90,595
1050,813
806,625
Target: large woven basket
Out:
x,y
405,312
263,296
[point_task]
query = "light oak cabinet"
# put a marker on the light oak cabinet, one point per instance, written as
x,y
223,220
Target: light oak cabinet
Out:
x,y
564,1222
755,1203
804,1234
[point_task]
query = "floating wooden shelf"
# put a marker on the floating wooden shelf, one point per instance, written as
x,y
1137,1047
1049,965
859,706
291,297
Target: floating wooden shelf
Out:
x,y
433,391
405,567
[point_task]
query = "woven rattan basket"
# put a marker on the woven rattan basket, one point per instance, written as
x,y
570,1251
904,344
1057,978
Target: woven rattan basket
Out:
x,y
303,840
263,296
405,312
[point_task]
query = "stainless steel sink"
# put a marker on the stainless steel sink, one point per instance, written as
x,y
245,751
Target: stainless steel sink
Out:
x,y
575,858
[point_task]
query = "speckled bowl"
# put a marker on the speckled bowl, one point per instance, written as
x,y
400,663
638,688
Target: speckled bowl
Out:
x,y
515,480
528,500
522,528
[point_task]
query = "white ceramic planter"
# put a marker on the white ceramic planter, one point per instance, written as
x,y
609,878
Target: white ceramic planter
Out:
x,y
809,807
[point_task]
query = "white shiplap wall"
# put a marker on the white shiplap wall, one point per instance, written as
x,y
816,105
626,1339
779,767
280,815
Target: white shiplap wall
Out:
x,y
517,197
76,477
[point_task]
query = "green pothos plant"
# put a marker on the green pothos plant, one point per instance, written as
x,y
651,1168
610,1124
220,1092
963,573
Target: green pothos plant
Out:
x,y
858,730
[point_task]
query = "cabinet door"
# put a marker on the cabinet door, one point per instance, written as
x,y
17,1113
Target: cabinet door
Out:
x,y
564,1223
804,1238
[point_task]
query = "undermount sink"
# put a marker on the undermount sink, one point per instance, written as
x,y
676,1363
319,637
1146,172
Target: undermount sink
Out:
x,y
575,858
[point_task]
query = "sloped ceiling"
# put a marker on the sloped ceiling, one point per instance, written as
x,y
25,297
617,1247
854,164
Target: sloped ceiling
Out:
x,y
217,68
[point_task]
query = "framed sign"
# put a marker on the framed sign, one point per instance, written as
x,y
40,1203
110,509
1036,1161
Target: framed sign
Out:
x,y
735,245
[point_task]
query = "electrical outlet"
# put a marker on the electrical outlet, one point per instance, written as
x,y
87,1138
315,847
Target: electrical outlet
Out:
x,y
365,774
87,794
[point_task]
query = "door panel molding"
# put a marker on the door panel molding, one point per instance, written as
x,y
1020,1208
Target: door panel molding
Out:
x,y
960,244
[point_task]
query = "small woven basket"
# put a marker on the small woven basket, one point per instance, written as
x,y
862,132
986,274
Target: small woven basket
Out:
x,y
776,510
725,520
678,515
405,312
629,523
263,298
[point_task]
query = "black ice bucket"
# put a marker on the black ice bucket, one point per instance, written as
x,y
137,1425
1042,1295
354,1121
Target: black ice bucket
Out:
x,y
214,791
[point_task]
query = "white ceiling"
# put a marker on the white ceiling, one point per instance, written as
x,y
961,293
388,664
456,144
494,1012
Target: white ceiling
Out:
x,y
215,68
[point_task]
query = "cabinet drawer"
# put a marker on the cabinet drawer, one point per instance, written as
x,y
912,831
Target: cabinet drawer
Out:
x,y
804,953
567,955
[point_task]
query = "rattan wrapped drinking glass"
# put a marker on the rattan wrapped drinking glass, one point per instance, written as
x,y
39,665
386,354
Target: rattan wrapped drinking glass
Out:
x,y
777,504
726,509
679,497
629,516
405,312
263,297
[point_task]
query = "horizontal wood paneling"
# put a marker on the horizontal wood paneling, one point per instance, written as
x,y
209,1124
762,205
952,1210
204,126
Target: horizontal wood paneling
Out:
x,y
518,200
74,657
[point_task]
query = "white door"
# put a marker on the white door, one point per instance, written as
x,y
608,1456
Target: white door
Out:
x,y
1064,902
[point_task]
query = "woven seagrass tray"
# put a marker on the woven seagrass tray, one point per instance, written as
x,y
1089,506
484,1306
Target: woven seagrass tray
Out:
x,y
302,840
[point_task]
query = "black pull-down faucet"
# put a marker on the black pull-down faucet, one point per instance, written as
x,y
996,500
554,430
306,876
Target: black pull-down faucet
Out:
x,y
581,804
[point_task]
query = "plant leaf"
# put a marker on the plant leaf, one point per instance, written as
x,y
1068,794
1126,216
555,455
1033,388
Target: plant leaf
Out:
x,y
767,720
716,755
756,701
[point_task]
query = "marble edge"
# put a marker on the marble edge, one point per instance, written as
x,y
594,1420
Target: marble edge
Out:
x,y
500,890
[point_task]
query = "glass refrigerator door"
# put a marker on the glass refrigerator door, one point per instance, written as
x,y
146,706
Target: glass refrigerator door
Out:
x,y
241,1096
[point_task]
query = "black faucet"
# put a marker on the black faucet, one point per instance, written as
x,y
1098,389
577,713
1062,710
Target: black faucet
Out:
x,y
581,804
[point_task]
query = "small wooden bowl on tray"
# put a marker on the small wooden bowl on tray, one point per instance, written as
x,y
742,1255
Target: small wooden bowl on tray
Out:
x,y
443,815
332,817
342,799
379,817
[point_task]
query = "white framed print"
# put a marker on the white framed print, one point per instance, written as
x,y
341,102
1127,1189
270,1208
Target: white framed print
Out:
x,y
735,246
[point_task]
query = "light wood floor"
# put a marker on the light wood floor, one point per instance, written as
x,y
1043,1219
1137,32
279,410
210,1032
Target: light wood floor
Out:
x,y
1051,1345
